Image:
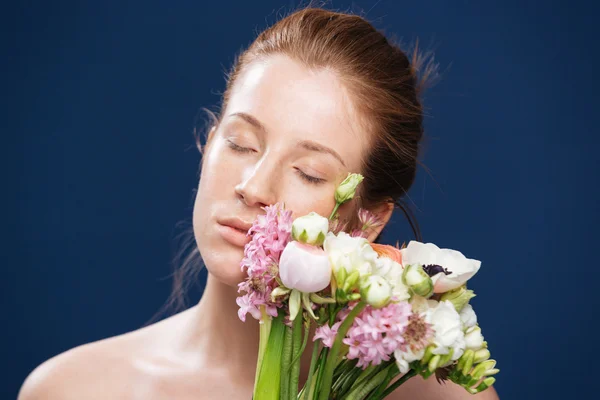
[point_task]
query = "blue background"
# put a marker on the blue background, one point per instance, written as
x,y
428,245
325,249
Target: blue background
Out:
x,y
101,99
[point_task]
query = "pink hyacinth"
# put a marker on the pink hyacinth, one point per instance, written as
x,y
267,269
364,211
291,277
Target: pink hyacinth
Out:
x,y
376,333
270,232
327,333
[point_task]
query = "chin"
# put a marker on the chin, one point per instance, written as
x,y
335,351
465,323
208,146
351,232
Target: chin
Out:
x,y
228,276
223,263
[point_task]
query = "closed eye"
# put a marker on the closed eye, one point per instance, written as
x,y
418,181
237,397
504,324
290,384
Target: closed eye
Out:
x,y
307,178
237,148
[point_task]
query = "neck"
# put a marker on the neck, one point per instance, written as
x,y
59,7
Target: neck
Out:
x,y
221,337
223,341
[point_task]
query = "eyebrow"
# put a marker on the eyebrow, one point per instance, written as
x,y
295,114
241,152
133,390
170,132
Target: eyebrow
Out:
x,y
305,144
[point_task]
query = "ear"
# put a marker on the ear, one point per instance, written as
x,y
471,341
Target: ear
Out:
x,y
210,135
383,212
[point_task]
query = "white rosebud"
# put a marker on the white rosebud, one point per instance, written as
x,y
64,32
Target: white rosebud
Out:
x,y
481,355
375,291
346,190
417,280
310,229
392,271
473,338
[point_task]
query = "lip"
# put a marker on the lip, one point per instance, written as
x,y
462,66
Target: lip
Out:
x,y
236,222
233,235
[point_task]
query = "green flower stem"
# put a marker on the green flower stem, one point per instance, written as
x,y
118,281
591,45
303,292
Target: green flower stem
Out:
x,y
286,358
365,375
269,380
337,205
392,370
399,382
311,370
321,368
350,379
296,353
366,386
341,374
265,329
332,358
344,367
332,310
304,342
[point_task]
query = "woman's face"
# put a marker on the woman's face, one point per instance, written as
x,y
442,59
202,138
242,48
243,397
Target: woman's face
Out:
x,y
287,135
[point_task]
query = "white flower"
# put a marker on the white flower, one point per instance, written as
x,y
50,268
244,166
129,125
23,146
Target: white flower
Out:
x,y
351,253
391,271
403,358
375,291
428,254
448,330
473,338
304,268
310,229
468,316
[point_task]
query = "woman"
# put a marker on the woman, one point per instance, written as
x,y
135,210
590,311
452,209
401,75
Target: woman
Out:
x,y
316,96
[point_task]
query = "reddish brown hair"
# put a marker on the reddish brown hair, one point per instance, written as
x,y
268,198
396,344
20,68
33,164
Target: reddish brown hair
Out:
x,y
385,87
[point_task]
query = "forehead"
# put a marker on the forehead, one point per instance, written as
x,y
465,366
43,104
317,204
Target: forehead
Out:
x,y
294,102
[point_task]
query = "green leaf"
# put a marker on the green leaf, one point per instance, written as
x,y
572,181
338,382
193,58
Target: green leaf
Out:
x,y
285,362
269,380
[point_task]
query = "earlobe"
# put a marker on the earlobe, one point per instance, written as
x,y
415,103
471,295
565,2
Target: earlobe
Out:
x,y
384,213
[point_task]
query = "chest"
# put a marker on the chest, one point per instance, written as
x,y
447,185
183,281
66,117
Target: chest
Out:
x,y
199,386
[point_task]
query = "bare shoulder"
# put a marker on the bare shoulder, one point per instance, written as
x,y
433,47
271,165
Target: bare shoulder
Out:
x,y
75,373
418,388
101,369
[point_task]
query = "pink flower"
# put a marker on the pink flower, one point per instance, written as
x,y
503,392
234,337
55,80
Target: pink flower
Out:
x,y
327,333
304,267
336,225
368,219
270,234
359,233
376,333
418,334
247,306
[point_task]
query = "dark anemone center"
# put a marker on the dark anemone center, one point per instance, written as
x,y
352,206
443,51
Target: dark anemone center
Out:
x,y
433,269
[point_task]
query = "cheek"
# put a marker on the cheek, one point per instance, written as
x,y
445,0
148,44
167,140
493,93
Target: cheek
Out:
x,y
302,205
215,193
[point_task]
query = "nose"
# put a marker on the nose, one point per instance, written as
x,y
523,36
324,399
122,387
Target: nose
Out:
x,y
256,188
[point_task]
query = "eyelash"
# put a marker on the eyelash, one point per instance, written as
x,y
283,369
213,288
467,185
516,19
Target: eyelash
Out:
x,y
308,178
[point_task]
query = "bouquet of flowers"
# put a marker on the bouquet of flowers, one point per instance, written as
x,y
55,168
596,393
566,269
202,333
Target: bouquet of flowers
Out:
x,y
382,314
